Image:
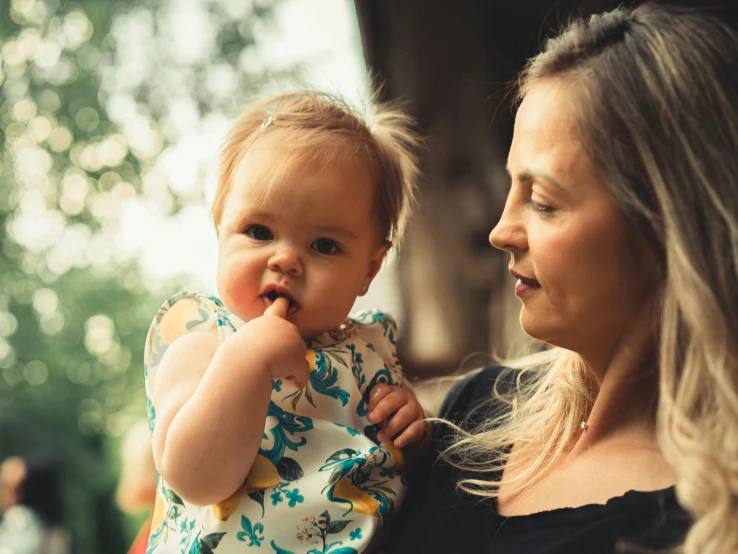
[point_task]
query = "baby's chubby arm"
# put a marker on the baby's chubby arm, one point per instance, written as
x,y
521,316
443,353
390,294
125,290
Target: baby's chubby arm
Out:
x,y
211,402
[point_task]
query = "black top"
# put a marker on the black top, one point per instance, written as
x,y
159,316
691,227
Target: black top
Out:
x,y
437,518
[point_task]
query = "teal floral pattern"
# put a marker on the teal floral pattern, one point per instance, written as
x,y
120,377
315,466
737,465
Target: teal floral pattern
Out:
x,y
323,379
251,533
356,471
319,453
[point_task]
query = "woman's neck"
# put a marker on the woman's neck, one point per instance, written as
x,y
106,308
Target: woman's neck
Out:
x,y
627,389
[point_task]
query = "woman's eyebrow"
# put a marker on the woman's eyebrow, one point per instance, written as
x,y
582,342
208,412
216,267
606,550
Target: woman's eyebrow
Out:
x,y
528,175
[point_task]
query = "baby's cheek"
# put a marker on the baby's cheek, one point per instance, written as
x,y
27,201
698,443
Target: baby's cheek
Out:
x,y
339,299
239,294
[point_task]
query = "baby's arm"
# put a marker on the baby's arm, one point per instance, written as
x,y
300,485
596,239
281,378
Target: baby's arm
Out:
x,y
402,414
211,402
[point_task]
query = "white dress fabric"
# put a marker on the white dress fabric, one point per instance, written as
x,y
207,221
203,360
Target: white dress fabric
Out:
x,y
321,482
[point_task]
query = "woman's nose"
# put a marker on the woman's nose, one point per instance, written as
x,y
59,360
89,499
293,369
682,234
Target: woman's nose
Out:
x,y
509,234
286,260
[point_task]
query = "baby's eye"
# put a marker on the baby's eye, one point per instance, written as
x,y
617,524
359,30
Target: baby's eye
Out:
x,y
325,246
258,232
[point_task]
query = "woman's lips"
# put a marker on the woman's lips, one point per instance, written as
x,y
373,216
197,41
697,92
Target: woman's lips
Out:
x,y
526,286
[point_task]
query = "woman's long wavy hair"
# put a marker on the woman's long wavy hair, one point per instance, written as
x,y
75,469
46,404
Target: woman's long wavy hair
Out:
x,y
654,91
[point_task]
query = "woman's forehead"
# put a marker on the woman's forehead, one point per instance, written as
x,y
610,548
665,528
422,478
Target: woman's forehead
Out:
x,y
546,118
546,137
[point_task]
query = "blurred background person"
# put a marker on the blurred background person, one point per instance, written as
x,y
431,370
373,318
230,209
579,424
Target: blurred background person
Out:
x,y
137,486
31,508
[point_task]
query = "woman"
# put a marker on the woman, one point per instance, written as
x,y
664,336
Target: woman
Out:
x,y
622,226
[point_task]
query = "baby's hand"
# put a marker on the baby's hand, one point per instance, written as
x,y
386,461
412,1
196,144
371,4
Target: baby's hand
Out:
x,y
289,361
399,411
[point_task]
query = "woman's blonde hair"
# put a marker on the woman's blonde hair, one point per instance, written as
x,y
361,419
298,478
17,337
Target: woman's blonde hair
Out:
x,y
322,128
654,91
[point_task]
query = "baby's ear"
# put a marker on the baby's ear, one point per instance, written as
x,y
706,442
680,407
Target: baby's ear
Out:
x,y
375,264
378,257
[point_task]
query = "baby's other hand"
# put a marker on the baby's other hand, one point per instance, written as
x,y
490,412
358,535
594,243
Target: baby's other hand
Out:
x,y
399,412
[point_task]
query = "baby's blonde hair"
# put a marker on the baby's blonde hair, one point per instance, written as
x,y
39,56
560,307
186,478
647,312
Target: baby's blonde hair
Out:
x,y
329,131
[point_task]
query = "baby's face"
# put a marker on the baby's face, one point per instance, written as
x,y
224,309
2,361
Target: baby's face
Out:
x,y
312,237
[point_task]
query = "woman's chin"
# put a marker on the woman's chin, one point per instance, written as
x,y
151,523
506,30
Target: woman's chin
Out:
x,y
538,329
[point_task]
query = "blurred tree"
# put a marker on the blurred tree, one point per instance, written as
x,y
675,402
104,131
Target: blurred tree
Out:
x,y
93,92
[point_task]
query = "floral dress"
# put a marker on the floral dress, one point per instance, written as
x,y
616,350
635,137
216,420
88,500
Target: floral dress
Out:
x,y
321,483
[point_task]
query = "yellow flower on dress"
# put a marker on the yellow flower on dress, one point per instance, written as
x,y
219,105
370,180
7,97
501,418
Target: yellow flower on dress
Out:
x,y
187,311
363,503
157,516
262,475
311,358
396,454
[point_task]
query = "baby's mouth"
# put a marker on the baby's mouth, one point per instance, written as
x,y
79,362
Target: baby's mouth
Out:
x,y
270,297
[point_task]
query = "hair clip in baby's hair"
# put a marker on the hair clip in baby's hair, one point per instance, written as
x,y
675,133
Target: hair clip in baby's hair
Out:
x,y
267,122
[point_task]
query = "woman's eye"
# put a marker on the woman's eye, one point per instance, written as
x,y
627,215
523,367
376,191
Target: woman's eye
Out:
x,y
258,232
326,246
539,207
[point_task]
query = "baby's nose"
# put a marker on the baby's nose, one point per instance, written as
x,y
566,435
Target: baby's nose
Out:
x,y
286,260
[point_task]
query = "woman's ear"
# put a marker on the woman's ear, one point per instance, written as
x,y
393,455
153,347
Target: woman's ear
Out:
x,y
375,264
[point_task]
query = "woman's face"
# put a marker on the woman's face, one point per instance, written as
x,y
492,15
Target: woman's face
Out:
x,y
583,274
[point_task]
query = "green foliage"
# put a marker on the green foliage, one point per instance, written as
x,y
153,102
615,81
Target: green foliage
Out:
x,y
73,316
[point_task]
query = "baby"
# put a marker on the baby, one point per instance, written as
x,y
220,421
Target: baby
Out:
x,y
269,429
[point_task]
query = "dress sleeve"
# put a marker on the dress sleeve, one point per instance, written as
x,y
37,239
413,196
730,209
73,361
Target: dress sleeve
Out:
x,y
183,313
